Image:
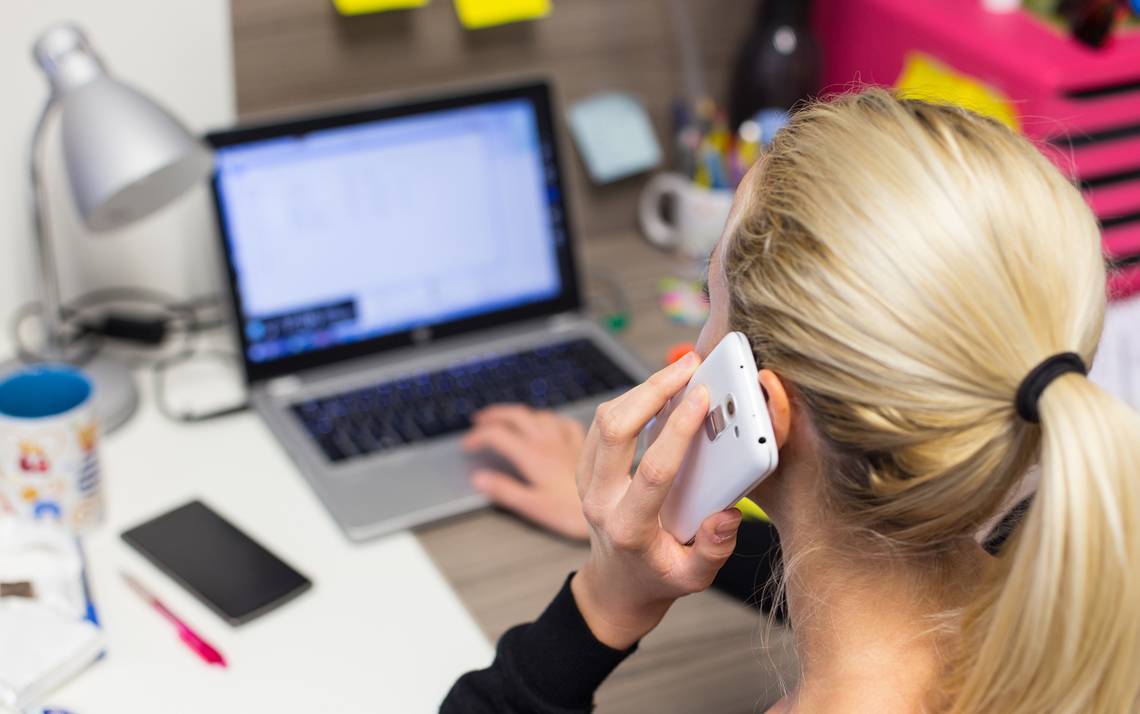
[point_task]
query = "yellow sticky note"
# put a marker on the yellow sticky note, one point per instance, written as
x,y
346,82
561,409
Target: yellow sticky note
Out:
x,y
750,510
476,14
363,7
924,77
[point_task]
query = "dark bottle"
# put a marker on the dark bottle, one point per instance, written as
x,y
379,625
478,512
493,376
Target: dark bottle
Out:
x,y
779,62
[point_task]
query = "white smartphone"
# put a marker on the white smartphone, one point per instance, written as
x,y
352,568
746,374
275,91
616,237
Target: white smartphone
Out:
x,y
735,449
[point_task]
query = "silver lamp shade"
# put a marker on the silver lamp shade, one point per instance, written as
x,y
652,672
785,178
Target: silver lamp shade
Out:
x,y
126,156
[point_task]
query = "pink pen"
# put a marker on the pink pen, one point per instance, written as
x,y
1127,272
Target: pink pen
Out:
x,y
187,635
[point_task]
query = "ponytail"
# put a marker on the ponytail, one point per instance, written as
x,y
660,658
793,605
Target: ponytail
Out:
x,y
905,265
1056,627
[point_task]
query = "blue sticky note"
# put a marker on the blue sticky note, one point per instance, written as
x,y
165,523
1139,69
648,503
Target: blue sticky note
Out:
x,y
614,136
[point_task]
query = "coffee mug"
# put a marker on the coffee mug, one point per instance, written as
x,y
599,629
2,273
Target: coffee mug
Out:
x,y
49,465
698,214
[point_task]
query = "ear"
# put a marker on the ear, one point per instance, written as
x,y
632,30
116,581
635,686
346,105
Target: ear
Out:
x,y
779,408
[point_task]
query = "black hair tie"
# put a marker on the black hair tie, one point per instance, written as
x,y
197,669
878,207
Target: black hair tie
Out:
x,y
1041,377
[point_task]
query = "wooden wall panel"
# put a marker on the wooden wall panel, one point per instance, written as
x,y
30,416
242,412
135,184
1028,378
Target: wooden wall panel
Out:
x,y
301,56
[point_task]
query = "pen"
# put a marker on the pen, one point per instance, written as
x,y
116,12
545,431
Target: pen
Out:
x,y
187,635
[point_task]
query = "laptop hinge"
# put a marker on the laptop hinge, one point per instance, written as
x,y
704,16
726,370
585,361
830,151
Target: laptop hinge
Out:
x,y
565,320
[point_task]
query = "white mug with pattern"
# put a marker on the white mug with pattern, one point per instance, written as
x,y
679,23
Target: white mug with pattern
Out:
x,y
49,465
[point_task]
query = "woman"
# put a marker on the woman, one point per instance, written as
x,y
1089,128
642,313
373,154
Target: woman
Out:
x,y
923,291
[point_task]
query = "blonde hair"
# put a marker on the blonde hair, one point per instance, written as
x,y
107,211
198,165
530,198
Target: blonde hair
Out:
x,y
905,265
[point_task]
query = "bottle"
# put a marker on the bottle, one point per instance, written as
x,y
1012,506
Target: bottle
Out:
x,y
1090,21
778,64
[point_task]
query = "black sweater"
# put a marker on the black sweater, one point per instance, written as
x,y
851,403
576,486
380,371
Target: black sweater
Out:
x,y
554,664
551,666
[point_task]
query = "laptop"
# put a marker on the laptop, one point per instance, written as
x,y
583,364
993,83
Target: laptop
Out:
x,y
391,272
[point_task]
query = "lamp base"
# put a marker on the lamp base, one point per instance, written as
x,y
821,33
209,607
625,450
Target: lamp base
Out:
x,y
116,396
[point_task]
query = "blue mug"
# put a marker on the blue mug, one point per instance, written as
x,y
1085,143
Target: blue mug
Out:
x,y
49,465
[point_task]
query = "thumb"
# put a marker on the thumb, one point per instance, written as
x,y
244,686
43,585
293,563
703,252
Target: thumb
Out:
x,y
715,541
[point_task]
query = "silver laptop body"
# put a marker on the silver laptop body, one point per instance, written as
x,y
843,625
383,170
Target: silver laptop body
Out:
x,y
302,357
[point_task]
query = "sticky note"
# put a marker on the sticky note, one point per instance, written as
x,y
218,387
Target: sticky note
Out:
x,y
363,7
477,14
614,135
924,77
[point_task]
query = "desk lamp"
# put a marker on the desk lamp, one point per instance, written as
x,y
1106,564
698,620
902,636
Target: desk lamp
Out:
x,y
126,157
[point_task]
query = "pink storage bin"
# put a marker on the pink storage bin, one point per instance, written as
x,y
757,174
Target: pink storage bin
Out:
x,y
1081,104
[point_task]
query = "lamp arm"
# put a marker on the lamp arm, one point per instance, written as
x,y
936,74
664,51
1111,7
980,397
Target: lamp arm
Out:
x,y
52,319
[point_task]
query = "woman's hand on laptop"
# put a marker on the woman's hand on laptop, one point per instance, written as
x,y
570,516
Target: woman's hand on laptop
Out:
x,y
544,447
636,569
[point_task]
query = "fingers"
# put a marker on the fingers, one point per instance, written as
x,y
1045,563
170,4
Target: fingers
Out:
x,y
585,473
517,416
619,422
572,429
533,423
507,442
715,541
623,418
508,492
641,504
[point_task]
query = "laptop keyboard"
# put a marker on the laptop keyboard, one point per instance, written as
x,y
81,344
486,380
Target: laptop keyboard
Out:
x,y
423,406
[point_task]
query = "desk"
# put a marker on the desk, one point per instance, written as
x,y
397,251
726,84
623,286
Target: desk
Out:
x,y
381,631
711,653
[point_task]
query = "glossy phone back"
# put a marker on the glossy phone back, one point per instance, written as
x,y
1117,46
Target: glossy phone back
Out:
x,y
735,449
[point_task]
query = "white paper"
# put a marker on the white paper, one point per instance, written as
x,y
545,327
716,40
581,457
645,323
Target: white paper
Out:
x,y
1117,364
41,649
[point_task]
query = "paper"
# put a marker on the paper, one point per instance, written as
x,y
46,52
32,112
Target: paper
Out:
x,y
42,649
924,77
614,136
1116,367
363,7
477,14
47,639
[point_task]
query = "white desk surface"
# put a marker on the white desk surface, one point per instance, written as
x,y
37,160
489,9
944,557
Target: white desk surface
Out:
x,y
380,630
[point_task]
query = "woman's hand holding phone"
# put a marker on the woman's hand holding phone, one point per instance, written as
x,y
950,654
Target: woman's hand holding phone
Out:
x,y
636,569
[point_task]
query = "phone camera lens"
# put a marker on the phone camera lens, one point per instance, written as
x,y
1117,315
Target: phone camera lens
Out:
x,y
730,406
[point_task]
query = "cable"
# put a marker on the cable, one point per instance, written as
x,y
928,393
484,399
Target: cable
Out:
x,y
89,343
79,323
182,319
159,372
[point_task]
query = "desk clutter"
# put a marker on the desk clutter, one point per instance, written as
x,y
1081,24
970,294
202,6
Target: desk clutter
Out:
x,y
614,136
49,628
362,360
1066,74
472,14
49,464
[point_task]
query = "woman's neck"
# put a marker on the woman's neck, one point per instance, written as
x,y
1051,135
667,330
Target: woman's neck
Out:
x,y
866,634
867,626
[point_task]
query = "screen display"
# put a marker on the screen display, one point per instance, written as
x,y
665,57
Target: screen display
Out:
x,y
223,567
350,233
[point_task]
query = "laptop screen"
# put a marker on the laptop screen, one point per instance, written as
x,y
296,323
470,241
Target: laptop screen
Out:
x,y
399,224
